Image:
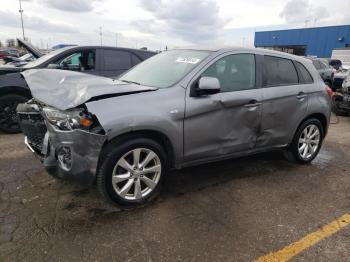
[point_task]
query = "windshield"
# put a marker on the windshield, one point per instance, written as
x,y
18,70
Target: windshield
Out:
x,y
44,58
165,69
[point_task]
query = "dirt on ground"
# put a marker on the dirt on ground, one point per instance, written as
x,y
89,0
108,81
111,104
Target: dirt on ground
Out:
x,y
235,210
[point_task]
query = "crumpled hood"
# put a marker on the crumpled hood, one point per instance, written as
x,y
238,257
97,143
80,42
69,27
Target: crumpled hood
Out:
x,y
64,89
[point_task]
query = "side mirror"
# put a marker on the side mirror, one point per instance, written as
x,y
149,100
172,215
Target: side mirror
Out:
x,y
208,85
53,66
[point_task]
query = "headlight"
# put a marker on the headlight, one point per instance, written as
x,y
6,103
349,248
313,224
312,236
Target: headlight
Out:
x,y
68,120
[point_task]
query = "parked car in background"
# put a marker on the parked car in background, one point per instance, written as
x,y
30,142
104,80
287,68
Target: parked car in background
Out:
x,y
335,63
32,53
339,77
95,60
8,52
20,61
341,99
179,108
325,71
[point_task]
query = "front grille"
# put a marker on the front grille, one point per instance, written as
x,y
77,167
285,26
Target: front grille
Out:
x,y
33,126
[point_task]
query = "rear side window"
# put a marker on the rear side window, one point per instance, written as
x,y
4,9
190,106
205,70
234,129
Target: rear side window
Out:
x,y
304,75
116,60
279,71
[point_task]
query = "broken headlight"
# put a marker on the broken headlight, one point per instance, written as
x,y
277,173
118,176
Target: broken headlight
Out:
x,y
69,120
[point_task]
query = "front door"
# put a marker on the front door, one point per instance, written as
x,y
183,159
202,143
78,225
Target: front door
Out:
x,y
227,122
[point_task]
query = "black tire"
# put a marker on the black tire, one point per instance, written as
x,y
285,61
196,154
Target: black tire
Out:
x,y
115,151
8,116
292,152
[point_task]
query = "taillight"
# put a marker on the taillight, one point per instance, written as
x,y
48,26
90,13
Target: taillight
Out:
x,y
329,91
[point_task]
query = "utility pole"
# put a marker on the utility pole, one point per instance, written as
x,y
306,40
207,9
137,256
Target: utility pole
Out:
x,y
21,12
101,35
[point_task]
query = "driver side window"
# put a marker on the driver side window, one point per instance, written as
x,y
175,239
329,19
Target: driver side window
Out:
x,y
234,72
71,62
78,61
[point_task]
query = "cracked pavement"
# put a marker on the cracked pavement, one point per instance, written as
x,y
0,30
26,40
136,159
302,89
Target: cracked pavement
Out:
x,y
235,210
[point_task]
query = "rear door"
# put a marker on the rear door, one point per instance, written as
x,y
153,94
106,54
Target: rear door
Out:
x,y
285,100
116,62
227,122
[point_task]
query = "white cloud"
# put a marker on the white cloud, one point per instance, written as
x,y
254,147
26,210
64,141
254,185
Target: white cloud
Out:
x,y
298,12
72,5
36,23
156,23
195,21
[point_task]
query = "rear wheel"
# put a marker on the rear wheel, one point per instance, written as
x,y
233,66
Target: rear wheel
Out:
x,y
132,172
307,142
8,116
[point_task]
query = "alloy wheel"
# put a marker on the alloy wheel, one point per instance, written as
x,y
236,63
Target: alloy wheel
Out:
x,y
309,141
136,174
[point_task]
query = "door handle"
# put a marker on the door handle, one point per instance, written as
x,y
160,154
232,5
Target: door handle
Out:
x,y
301,95
252,103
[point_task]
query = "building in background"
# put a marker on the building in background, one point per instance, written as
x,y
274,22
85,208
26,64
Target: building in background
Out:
x,y
317,41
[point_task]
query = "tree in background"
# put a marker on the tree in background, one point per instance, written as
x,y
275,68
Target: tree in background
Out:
x,y
11,43
0,44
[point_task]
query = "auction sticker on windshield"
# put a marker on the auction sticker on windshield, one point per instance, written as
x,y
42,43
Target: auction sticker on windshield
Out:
x,y
187,60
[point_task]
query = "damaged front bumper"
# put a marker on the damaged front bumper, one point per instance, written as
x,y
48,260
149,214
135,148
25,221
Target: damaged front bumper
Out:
x,y
68,154
72,154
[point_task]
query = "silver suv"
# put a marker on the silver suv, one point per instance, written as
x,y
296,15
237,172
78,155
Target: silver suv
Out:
x,y
179,108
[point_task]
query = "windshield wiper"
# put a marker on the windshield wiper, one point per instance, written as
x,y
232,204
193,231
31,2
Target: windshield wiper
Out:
x,y
130,82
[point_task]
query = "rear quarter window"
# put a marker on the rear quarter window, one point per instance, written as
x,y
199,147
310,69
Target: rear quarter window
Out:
x,y
304,75
316,64
135,59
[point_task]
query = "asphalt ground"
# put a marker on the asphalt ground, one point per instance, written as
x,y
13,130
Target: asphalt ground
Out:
x,y
254,208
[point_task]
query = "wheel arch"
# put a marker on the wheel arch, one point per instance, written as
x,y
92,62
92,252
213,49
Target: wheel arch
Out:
x,y
155,135
319,116
8,90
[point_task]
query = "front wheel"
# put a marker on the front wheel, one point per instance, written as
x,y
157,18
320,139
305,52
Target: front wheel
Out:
x,y
307,142
8,116
132,172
